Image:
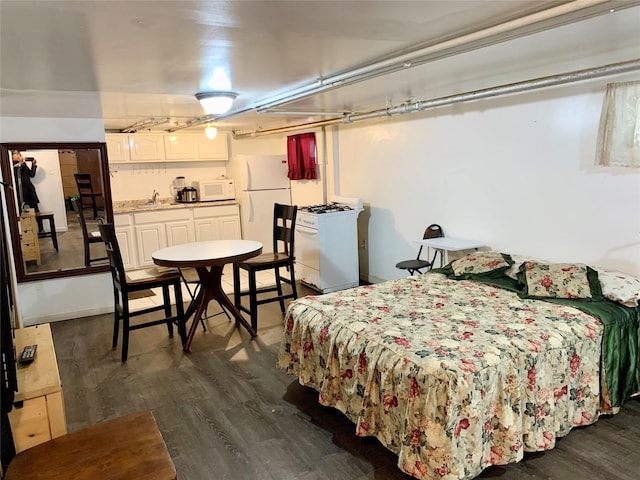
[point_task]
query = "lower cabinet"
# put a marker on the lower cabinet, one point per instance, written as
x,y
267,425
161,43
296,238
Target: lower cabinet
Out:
x,y
125,234
142,233
217,223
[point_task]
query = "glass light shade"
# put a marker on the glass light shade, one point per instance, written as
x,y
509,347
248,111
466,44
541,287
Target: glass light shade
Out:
x,y
216,103
211,132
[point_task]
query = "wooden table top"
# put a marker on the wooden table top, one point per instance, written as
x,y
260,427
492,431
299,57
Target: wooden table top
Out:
x,y
125,448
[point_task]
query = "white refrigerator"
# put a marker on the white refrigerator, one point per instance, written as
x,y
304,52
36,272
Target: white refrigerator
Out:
x,y
261,181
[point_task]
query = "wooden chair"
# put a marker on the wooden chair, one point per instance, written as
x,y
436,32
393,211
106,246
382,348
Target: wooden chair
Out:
x,y
88,197
412,266
88,237
123,286
284,223
128,447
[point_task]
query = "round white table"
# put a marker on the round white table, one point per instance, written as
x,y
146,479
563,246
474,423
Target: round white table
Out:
x,y
208,258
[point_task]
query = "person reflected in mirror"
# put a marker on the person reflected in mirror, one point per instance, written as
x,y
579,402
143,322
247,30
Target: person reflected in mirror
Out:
x,y
27,172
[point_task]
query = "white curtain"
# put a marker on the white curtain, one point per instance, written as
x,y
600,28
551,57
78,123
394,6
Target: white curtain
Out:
x,y
619,133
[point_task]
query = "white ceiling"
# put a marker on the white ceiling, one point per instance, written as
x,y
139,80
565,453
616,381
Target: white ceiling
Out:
x,y
128,61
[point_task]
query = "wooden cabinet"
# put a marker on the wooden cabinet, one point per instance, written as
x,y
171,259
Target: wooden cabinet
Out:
x,y
180,232
29,236
217,223
195,147
151,148
125,234
150,237
146,148
38,412
117,147
142,233
180,147
216,149
159,229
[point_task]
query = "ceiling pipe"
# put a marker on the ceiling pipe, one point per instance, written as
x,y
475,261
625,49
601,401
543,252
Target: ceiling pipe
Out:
x,y
421,105
421,54
424,53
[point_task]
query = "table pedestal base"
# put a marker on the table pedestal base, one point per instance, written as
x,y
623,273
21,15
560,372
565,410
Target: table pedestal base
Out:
x,y
211,289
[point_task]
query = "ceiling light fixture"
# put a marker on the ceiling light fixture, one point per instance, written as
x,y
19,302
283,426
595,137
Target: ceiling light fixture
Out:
x,y
216,102
211,132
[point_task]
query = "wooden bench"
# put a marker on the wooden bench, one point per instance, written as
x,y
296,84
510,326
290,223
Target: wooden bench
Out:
x,y
125,448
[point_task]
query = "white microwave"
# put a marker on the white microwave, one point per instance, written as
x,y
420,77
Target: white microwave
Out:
x,y
215,190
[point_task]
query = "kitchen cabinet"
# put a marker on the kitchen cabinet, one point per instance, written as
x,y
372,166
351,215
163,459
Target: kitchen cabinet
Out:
x,y
159,229
180,147
140,233
125,234
150,237
117,147
152,148
216,149
196,147
146,148
38,412
217,223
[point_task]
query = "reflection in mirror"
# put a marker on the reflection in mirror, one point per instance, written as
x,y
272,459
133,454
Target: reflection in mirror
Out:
x,y
48,180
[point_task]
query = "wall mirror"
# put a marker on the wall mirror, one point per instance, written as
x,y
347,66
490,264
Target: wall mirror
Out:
x,y
35,235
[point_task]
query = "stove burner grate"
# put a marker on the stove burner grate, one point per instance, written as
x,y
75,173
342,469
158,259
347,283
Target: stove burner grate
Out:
x,y
326,208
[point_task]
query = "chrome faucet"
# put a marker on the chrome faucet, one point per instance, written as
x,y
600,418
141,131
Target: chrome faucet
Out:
x,y
154,197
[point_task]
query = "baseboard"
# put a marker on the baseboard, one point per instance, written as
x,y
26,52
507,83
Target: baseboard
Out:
x,y
57,317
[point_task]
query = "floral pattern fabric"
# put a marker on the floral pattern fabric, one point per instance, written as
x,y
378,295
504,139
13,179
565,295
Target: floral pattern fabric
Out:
x,y
556,280
479,262
620,287
453,376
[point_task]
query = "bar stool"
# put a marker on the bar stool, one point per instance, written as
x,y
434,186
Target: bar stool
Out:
x,y
52,227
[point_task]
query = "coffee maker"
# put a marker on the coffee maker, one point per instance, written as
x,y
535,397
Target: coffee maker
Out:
x,y
176,186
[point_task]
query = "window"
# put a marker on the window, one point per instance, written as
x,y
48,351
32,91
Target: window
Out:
x,y
619,133
301,156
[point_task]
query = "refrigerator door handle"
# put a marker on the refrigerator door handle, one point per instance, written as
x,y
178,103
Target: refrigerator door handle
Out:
x,y
248,175
251,209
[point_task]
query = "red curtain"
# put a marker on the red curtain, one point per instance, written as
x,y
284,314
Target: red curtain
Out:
x,y
302,157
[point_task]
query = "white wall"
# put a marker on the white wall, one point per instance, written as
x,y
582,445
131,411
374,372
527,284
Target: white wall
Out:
x,y
514,172
138,181
48,183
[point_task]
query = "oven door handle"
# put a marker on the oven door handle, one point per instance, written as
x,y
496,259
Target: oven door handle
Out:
x,y
306,230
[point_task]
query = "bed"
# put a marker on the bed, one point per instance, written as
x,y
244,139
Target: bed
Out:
x,y
473,364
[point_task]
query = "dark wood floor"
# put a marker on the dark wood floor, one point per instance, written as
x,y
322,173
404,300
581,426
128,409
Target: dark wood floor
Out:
x,y
226,412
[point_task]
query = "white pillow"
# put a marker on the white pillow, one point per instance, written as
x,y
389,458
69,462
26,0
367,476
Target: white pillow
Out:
x,y
620,287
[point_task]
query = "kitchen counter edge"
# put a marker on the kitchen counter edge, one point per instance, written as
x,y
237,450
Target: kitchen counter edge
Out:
x,y
133,206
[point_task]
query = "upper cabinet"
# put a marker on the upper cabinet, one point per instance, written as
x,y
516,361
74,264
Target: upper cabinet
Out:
x,y
187,147
117,148
215,149
146,148
180,147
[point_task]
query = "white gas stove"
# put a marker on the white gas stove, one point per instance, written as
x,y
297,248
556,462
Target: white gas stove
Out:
x,y
326,245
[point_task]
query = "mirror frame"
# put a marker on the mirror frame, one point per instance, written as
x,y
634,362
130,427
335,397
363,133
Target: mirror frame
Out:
x,y
5,165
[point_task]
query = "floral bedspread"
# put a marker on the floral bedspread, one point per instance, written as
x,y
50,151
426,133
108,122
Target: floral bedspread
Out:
x,y
453,376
